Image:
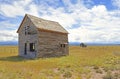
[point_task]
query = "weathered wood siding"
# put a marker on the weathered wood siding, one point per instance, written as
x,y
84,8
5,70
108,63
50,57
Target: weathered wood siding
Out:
x,y
27,39
47,43
50,44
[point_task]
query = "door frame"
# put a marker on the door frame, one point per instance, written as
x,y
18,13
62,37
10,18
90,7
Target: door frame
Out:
x,y
25,49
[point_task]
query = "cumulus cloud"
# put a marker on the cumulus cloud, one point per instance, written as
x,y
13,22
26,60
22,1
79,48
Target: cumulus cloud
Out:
x,y
18,8
116,3
6,35
95,24
65,19
11,10
7,25
7,31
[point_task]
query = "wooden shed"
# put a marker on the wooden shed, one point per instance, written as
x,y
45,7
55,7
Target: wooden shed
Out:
x,y
41,38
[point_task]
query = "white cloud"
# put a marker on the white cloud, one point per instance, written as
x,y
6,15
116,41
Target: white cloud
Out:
x,y
7,25
18,8
8,31
11,10
95,24
65,19
116,3
33,10
86,35
6,35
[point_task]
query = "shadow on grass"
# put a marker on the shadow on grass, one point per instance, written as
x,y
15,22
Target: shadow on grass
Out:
x,y
13,58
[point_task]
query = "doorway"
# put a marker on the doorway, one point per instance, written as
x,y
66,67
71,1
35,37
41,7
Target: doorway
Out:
x,y
25,49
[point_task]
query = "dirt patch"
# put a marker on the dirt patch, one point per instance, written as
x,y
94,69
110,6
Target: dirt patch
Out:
x,y
100,73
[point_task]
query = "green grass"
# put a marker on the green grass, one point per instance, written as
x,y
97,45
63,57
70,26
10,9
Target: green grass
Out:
x,y
72,66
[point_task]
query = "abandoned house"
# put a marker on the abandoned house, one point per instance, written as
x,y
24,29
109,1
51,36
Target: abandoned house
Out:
x,y
41,38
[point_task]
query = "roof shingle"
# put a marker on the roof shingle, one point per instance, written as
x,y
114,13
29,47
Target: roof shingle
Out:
x,y
46,24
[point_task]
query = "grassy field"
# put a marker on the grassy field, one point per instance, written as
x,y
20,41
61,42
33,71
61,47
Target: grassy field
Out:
x,y
92,62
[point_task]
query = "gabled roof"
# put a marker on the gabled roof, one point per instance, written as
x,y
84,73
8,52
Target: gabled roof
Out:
x,y
45,25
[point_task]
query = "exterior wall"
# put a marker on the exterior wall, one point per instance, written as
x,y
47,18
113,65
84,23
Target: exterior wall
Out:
x,y
28,38
47,44
50,44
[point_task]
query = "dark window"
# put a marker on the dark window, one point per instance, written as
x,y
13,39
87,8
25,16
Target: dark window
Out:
x,y
26,29
62,45
32,47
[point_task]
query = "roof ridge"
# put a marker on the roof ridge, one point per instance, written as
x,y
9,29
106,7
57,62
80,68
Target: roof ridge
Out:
x,y
39,18
46,24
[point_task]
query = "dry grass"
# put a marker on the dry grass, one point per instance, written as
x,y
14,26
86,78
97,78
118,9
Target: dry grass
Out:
x,y
77,63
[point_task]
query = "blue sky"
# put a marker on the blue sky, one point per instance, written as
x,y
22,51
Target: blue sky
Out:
x,y
89,21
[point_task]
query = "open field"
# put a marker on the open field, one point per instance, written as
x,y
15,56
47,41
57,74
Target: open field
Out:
x,y
92,62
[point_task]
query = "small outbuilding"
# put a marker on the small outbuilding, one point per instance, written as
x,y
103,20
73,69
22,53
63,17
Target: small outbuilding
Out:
x,y
41,38
83,45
